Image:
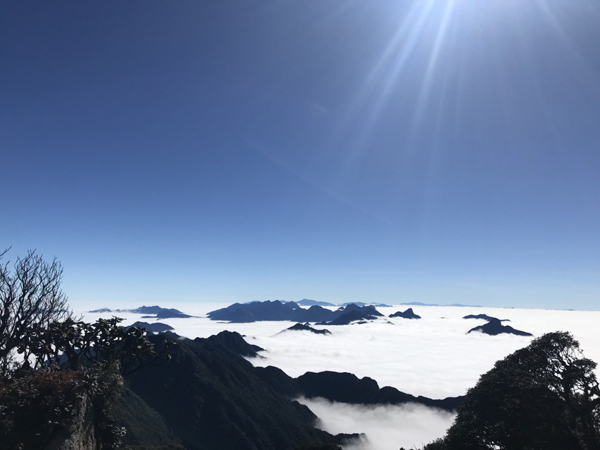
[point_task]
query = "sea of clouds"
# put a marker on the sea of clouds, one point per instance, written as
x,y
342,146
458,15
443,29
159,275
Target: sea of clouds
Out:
x,y
433,356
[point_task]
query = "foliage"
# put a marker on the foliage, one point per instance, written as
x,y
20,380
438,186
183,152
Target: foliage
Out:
x,y
53,367
36,409
76,343
544,396
30,298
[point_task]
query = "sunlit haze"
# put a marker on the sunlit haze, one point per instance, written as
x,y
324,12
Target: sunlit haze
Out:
x,y
221,151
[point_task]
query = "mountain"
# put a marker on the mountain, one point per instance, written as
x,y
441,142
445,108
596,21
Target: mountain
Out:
x,y
160,313
213,399
484,317
233,342
277,310
408,314
156,327
348,388
308,302
306,327
350,317
101,310
495,327
378,305
152,312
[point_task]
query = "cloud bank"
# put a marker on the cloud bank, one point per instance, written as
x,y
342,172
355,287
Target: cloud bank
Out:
x,y
432,356
386,427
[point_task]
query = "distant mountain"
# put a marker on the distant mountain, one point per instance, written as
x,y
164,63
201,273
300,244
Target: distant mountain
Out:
x,y
309,302
348,388
484,317
351,317
152,312
160,313
101,310
306,327
352,313
419,304
277,310
408,314
156,327
437,304
495,327
377,305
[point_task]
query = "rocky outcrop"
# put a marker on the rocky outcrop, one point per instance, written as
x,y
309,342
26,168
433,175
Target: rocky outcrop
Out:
x,y
80,433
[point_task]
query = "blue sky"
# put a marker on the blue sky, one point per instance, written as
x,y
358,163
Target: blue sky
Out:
x,y
435,151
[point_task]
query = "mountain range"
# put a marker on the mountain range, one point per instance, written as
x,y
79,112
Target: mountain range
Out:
x,y
208,397
277,310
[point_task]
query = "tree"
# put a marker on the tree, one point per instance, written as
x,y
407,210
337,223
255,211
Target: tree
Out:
x,y
77,344
30,298
542,397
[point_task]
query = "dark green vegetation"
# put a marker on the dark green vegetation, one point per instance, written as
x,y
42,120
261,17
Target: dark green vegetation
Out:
x,y
67,385
542,397
276,310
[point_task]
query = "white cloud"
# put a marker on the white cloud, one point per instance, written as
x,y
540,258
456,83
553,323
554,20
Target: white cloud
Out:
x,y
386,427
432,356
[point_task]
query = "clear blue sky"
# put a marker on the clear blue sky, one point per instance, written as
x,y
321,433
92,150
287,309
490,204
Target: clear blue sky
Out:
x,y
435,151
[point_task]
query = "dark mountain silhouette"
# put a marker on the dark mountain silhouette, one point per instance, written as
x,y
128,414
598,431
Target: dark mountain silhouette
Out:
x,y
484,317
233,342
306,327
365,309
276,310
353,316
213,399
495,327
208,397
160,313
153,327
382,305
101,310
309,302
348,388
152,312
408,314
